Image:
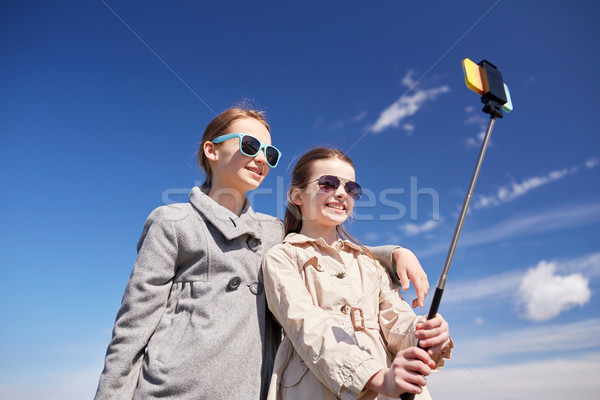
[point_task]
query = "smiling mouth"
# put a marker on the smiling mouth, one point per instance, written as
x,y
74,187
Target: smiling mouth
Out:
x,y
255,170
336,206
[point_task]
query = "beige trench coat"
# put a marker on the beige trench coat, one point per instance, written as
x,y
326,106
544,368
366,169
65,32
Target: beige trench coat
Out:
x,y
313,290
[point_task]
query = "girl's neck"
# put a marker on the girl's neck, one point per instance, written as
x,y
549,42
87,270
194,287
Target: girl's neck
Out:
x,y
228,197
329,234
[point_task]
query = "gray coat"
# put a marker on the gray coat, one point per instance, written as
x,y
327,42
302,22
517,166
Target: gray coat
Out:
x,y
193,322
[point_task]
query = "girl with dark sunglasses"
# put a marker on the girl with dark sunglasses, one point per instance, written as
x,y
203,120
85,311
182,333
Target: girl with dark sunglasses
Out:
x,y
348,332
193,322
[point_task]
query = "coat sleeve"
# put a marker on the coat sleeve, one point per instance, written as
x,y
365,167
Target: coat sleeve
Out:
x,y
385,255
398,321
142,306
324,347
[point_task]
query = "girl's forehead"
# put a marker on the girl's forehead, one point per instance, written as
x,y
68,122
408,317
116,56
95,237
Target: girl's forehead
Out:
x,y
332,166
252,127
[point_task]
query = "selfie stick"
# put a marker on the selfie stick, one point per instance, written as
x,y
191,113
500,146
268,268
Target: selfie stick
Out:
x,y
486,78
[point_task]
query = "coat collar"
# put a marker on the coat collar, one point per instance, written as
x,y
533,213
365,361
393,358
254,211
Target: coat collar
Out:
x,y
298,238
229,224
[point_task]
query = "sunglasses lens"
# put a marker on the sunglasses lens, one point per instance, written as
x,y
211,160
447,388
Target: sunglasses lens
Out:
x,y
250,146
354,189
272,156
329,182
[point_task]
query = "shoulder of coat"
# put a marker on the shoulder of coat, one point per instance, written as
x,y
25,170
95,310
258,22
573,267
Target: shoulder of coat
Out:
x,y
268,219
171,212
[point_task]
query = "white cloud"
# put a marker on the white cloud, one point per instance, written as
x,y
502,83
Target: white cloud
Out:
x,y
359,116
514,190
543,294
568,216
408,79
481,122
592,162
498,287
371,237
475,142
556,379
406,106
410,229
506,285
408,127
546,221
341,124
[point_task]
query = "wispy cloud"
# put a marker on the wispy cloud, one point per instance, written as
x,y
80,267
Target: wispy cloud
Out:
x,y
411,229
543,294
547,221
549,380
592,162
512,285
567,216
481,122
341,124
514,190
409,78
407,105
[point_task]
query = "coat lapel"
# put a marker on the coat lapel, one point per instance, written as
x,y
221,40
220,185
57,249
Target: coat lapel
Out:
x,y
229,224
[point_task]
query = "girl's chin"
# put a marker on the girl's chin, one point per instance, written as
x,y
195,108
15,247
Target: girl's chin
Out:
x,y
251,179
336,218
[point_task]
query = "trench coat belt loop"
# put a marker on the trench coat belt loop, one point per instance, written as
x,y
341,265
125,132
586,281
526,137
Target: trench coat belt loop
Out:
x,y
358,318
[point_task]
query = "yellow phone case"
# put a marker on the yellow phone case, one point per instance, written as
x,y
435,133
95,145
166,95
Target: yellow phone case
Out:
x,y
473,76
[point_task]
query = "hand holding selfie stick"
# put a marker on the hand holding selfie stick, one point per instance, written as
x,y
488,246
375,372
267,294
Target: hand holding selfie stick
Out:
x,y
484,79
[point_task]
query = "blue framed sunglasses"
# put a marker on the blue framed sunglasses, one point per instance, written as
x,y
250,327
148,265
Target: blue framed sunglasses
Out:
x,y
251,146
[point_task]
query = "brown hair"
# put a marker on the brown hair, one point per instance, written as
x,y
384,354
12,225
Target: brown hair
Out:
x,y
218,126
292,221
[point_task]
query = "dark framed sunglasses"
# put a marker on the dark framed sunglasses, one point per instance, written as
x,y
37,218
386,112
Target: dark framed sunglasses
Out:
x,y
251,146
328,183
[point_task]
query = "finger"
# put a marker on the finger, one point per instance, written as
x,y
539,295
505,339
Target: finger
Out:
x,y
407,387
435,341
418,367
435,349
415,379
416,353
436,322
421,287
403,276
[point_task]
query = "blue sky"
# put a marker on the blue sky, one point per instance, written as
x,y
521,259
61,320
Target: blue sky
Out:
x,y
103,104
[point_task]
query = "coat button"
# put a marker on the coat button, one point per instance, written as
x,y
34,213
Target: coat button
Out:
x,y
234,283
256,287
341,275
253,244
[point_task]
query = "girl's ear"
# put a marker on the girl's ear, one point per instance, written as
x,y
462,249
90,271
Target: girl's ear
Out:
x,y
210,151
295,196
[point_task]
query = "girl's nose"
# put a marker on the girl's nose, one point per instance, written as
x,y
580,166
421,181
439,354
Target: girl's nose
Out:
x,y
340,191
260,157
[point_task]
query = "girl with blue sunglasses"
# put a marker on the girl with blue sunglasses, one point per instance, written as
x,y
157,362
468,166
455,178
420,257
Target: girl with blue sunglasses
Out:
x,y
193,322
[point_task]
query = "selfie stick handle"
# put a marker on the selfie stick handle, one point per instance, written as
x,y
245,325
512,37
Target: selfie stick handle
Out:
x,y
439,289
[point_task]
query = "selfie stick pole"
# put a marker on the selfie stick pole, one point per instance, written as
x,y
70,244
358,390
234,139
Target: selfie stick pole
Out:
x,y
493,106
439,289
